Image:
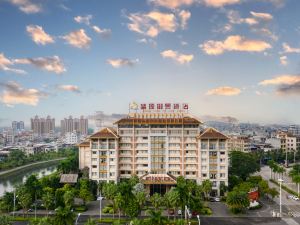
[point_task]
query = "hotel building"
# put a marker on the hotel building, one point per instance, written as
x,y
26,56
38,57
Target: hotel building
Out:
x,y
157,146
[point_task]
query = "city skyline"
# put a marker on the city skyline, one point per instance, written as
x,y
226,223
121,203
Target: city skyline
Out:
x,y
223,57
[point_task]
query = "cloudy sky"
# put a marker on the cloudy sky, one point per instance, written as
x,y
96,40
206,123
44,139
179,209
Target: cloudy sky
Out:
x,y
235,58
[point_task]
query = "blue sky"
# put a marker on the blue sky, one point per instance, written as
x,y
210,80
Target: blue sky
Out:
x,y
235,58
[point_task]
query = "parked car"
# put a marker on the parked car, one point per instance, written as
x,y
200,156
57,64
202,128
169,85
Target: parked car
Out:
x,y
30,210
295,198
171,211
179,212
215,199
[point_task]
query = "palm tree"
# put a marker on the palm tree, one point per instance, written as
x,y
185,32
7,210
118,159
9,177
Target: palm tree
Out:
x,y
173,199
296,180
141,199
119,202
156,201
273,192
69,198
271,164
155,217
280,170
41,221
64,216
206,187
25,199
237,201
47,199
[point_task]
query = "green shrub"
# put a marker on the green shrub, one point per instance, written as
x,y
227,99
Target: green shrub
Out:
x,y
111,211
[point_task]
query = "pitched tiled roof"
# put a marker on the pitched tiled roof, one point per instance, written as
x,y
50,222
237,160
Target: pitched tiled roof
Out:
x,y
69,178
105,133
211,133
184,120
84,144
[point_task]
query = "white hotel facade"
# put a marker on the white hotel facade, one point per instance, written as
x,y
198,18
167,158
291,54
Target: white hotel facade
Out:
x,y
158,146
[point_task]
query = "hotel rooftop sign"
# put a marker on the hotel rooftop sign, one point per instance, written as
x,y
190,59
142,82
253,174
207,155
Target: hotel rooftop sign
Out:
x,y
159,107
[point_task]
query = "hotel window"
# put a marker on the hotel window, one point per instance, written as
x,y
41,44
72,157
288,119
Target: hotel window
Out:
x,y
203,160
203,144
94,159
212,145
111,160
102,168
213,153
222,144
102,160
222,153
222,175
203,167
94,174
94,166
212,176
222,160
94,152
112,174
214,183
204,175
222,167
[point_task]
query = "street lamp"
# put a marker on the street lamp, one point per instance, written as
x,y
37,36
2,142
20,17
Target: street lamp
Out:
x,y
100,202
15,196
280,203
77,218
198,217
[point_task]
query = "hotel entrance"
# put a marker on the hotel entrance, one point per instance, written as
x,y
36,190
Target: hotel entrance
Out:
x,y
158,183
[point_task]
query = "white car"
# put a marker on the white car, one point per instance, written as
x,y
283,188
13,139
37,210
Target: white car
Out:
x,y
295,198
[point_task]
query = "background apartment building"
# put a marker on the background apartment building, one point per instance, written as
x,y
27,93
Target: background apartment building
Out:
x,y
156,147
17,126
239,143
78,125
43,127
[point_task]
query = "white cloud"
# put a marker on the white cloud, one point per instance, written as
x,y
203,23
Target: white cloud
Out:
x,y
69,87
27,6
102,32
282,80
225,91
51,64
38,35
83,19
220,3
184,16
178,57
78,39
120,62
289,49
283,60
14,94
234,43
152,23
262,16
171,4
5,64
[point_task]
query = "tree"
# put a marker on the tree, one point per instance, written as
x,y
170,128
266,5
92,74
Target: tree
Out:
x,y
172,198
141,199
134,180
7,202
24,198
273,192
84,191
155,217
119,203
110,191
132,208
237,201
64,216
206,187
69,198
139,187
5,220
47,199
263,187
296,180
242,164
156,201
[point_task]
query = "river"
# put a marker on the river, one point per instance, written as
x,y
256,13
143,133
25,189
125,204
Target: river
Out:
x,y
7,183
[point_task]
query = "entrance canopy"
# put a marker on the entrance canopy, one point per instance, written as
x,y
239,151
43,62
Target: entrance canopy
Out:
x,y
158,179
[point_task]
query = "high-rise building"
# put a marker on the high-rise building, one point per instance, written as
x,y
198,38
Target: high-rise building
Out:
x,y
43,127
70,125
17,125
157,145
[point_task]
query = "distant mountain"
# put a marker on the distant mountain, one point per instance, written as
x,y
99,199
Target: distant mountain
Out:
x,y
222,119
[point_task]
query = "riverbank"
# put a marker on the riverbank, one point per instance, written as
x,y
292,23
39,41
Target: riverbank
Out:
x,y
31,165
